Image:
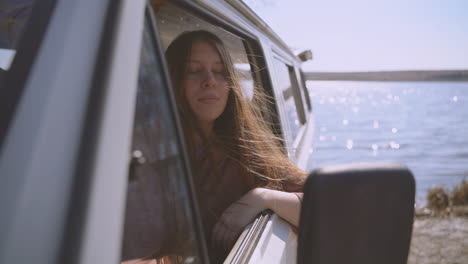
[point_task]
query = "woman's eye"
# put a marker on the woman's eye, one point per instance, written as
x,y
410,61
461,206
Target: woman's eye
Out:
x,y
193,70
219,71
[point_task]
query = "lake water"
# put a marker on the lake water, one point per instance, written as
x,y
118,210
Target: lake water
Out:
x,y
423,125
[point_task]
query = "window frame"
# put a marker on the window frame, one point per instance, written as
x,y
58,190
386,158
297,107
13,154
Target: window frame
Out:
x,y
262,80
15,78
298,100
306,91
300,91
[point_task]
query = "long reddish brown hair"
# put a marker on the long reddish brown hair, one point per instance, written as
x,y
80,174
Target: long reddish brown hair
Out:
x,y
241,131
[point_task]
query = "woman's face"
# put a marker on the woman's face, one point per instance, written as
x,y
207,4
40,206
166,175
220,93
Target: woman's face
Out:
x,y
205,84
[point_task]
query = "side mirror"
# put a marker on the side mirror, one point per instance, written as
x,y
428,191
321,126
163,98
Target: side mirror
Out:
x,y
305,55
358,213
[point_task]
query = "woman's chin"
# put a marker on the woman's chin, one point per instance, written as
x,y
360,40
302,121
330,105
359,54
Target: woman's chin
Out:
x,y
208,116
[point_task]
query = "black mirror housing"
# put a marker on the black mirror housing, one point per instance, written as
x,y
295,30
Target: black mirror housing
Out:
x,y
357,213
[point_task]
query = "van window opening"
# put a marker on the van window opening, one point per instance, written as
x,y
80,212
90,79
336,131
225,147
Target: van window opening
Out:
x,y
290,96
173,20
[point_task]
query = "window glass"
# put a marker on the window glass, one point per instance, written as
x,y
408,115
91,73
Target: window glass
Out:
x,y
158,217
13,17
172,21
283,77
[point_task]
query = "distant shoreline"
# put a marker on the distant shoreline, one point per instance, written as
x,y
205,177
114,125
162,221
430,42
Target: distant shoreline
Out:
x,y
391,76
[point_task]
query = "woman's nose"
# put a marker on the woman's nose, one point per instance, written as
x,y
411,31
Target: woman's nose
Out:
x,y
209,79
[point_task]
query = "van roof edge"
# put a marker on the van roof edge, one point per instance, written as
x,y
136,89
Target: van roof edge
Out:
x,y
245,10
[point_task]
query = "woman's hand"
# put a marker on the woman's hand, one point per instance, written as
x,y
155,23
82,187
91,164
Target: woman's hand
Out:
x,y
237,216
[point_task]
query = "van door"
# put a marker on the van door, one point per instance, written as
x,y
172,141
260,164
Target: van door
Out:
x,y
79,166
161,222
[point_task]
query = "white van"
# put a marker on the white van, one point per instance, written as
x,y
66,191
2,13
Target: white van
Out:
x,y
79,79
90,135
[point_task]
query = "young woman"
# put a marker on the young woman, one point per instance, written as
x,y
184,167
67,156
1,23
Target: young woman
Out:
x,y
239,166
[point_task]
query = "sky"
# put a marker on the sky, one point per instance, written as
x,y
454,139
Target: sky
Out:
x,y
372,35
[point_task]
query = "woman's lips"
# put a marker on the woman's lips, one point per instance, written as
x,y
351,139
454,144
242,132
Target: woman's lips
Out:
x,y
208,99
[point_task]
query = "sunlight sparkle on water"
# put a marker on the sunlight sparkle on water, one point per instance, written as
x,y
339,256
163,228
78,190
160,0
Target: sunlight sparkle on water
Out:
x,y
349,144
394,145
376,124
395,123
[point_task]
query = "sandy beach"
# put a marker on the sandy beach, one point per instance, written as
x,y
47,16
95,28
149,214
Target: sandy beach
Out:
x,y
439,239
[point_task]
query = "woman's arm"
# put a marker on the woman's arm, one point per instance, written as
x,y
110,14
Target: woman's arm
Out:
x,y
239,214
286,205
